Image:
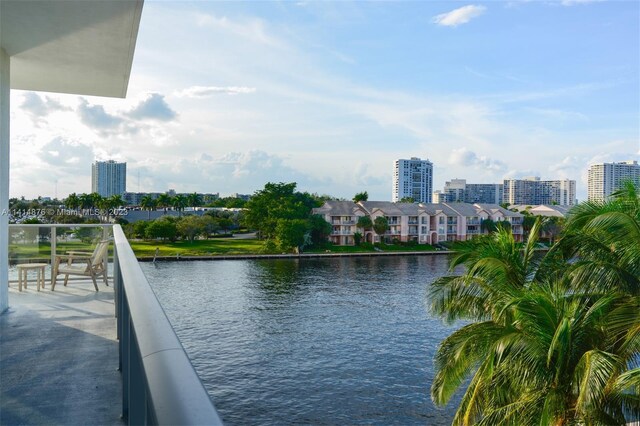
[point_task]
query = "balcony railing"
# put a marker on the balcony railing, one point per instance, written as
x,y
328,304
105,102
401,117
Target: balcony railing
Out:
x,y
159,384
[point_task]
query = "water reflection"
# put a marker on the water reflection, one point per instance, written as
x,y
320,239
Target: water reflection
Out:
x,y
311,341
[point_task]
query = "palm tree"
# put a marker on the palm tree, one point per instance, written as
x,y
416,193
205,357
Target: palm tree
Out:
x,y
194,200
148,203
605,238
179,202
538,351
72,202
164,200
86,201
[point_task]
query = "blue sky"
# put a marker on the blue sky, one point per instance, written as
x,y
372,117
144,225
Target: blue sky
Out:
x,y
226,96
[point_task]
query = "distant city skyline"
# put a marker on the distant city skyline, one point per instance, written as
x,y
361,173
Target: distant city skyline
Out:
x,y
232,95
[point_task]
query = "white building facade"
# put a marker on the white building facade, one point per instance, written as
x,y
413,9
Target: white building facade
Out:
x,y
412,178
533,191
605,178
109,178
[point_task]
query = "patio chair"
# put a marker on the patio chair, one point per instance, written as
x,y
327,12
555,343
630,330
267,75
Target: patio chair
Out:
x,y
87,264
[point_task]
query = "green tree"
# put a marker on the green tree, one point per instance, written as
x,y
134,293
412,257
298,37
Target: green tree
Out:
x,y
488,225
364,222
552,227
209,225
194,200
380,226
290,233
179,202
276,201
140,228
148,203
538,350
357,238
189,227
87,201
407,200
319,228
164,201
72,202
225,224
604,237
163,228
361,196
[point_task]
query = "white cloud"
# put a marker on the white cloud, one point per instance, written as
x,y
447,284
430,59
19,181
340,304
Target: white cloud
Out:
x,y
153,107
467,158
459,16
208,91
96,117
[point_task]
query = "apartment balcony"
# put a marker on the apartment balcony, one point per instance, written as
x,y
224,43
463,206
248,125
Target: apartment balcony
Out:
x,y
473,221
452,221
348,222
473,231
80,356
342,233
413,230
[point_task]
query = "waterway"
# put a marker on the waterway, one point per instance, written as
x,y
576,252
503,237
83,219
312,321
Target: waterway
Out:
x,y
309,341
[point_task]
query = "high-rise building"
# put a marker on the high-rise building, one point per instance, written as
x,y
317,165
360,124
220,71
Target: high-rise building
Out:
x,y
413,178
109,178
533,191
606,178
459,191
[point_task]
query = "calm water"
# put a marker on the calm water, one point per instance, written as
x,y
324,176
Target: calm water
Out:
x,y
312,341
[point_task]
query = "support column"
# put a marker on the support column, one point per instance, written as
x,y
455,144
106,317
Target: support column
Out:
x,y
4,180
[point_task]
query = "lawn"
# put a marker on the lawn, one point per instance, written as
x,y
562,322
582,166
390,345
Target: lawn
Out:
x,y
212,247
368,248
216,246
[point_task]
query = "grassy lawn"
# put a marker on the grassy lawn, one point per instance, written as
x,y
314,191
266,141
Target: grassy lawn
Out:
x,y
367,248
212,247
197,248
43,250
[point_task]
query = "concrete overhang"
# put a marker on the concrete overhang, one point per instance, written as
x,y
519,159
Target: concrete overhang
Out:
x,y
82,47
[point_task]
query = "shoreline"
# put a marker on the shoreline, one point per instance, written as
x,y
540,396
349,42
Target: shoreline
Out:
x,y
287,256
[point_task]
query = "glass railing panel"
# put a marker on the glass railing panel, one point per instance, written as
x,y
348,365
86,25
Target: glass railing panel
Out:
x,y
28,244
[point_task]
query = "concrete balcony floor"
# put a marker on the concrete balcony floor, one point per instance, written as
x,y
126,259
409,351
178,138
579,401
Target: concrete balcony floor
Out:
x,y
59,355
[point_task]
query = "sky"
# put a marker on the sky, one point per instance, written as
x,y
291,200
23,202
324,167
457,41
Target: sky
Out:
x,y
227,96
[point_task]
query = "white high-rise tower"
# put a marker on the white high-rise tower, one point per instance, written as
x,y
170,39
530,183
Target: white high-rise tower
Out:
x,y
606,178
413,178
109,178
